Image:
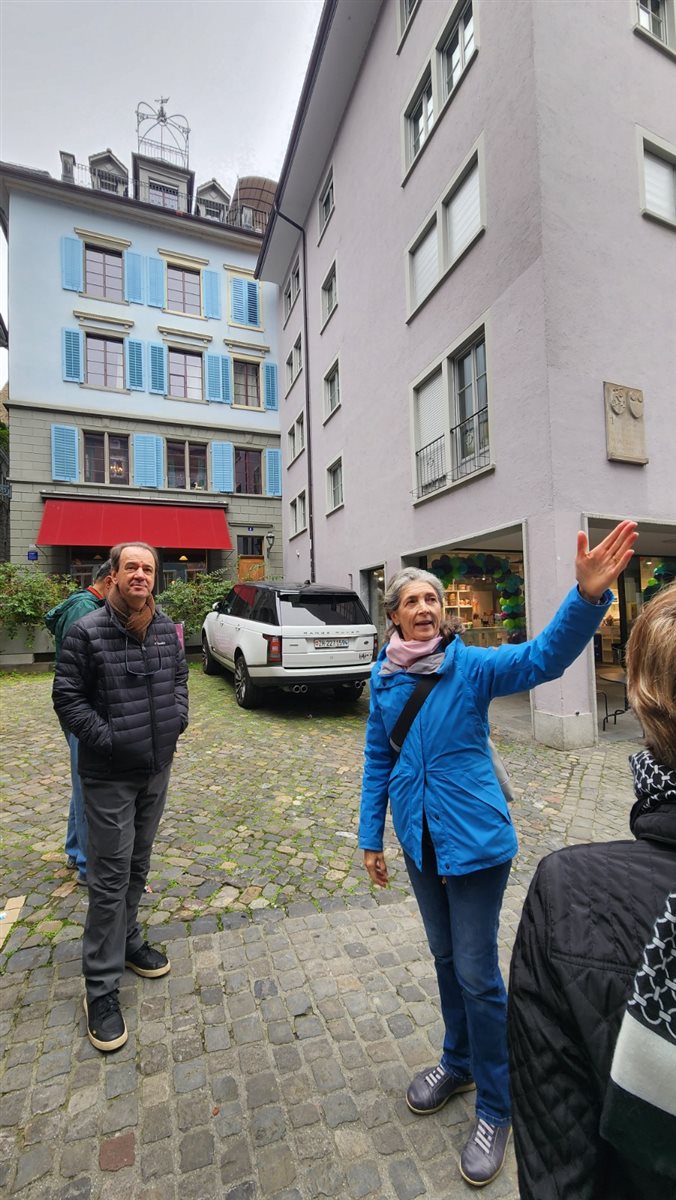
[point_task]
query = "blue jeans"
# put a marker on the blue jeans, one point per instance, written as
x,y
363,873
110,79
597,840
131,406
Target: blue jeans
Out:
x,y
461,914
76,833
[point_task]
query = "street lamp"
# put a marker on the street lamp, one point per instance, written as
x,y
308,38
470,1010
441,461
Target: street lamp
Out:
x,y
269,541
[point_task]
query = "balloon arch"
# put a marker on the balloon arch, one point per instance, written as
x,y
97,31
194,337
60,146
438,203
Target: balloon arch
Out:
x,y
508,584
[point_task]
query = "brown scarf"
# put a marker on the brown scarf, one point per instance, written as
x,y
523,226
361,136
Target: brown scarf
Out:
x,y
135,621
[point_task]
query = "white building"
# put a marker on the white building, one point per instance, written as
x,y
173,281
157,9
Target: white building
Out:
x,y
475,236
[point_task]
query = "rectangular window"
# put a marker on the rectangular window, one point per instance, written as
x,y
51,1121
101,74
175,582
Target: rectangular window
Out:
x,y
329,294
294,362
463,214
292,288
106,458
406,11
183,290
247,384
420,117
162,195
187,465
296,437
430,410
651,16
248,472
103,273
334,484
326,203
332,390
660,185
424,261
297,513
213,210
105,362
288,303
185,375
457,50
469,435
249,545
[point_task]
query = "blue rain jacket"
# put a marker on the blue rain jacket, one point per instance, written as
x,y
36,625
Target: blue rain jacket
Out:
x,y
445,765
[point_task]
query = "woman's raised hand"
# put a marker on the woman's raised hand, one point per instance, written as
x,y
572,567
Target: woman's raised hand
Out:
x,y
596,569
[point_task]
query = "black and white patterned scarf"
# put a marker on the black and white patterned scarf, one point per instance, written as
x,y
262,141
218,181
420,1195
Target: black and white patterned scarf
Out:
x,y
639,1112
654,785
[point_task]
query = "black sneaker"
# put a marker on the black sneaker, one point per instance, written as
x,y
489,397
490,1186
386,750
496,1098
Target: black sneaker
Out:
x,y
429,1090
483,1155
148,962
106,1029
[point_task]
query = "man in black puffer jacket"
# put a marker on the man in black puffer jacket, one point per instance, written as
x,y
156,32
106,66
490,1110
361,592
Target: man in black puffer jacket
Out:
x,y
586,924
121,686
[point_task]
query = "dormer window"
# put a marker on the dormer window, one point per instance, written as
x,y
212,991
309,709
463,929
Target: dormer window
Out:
x,y
213,210
162,195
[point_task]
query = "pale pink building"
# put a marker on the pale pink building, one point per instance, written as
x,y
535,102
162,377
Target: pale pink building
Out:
x,y
474,232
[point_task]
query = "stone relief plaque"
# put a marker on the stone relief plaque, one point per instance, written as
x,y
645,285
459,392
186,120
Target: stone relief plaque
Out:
x,y
625,425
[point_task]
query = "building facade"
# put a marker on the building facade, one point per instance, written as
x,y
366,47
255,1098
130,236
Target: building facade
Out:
x,y
475,237
143,378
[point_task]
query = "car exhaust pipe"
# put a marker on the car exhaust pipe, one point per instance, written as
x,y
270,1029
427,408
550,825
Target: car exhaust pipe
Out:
x,y
299,689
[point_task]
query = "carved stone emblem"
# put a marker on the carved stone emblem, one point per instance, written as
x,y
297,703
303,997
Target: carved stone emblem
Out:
x,y
625,425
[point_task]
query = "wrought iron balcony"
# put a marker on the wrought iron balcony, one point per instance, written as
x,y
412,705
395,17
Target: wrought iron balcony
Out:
x,y
470,451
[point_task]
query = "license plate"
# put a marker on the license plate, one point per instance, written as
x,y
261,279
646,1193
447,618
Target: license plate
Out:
x,y
331,643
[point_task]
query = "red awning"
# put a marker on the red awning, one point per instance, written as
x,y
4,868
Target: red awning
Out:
x,y
95,523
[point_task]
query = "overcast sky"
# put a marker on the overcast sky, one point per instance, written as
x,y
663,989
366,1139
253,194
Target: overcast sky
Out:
x,y
74,71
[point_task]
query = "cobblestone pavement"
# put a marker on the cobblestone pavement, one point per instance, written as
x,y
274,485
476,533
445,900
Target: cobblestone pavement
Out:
x,y
270,1064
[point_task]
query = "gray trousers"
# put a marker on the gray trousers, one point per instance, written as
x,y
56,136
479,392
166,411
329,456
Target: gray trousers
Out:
x,y
122,818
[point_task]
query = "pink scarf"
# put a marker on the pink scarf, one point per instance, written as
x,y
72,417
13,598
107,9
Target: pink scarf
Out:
x,y
405,653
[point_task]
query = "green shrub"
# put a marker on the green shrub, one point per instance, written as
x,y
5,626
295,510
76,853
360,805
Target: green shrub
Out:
x,y
27,593
190,602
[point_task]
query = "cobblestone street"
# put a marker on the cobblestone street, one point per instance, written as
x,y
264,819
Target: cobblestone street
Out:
x,y
271,1063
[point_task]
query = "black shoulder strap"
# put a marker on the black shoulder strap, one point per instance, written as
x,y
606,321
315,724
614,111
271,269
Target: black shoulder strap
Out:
x,y
411,708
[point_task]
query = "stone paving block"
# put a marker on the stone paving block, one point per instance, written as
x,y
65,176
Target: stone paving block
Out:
x,y
190,1076
157,1122
406,1179
45,1128
363,1179
121,1113
117,1152
196,1149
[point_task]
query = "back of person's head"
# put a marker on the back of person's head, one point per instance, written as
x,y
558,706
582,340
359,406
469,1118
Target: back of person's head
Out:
x,y
101,571
651,674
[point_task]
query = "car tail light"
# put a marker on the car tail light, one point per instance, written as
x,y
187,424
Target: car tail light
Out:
x,y
274,647
375,648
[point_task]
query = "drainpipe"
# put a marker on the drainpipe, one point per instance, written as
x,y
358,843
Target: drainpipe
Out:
x,y
308,426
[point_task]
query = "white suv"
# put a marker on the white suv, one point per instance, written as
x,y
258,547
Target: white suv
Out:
x,y
290,635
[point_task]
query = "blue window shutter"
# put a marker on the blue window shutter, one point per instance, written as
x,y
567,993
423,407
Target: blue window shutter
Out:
x,y
222,466
270,377
73,357
134,364
64,453
211,292
158,368
148,460
226,372
273,472
133,277
156,282
239,301
214,377
71,264
252,302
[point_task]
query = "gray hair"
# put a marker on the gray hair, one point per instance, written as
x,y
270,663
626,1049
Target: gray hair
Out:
x,y
392,597
102,570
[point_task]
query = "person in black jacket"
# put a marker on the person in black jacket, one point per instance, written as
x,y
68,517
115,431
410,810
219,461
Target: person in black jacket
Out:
x,y
121,687
587,926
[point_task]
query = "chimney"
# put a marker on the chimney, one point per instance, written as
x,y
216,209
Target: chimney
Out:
x,y
67,167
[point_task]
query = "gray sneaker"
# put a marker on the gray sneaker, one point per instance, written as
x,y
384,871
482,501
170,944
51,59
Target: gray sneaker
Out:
x,y
429,1090
483,1155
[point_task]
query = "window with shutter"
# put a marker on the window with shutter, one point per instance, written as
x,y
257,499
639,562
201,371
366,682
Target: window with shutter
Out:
x,y
273,472
158,368
133,277
148,460
214,376
463,214
660,186
222,466
211,289
71,264
156,282
135,366
431,424
271,396
238,301
424,265
73,359
65,467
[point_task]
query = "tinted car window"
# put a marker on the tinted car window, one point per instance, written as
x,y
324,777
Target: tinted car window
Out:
x,y
226,603
322,610
243,600
265,609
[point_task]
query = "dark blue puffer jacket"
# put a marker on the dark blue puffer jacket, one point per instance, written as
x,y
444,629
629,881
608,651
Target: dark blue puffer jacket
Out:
x,y
126,701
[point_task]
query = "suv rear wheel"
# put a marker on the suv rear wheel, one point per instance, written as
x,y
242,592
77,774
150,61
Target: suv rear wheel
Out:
x,y
247,694
209,665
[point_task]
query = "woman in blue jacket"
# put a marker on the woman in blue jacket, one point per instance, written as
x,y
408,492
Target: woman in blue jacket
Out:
x,y
451,818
